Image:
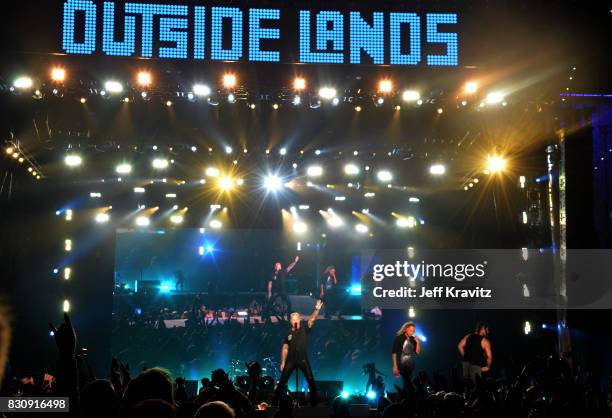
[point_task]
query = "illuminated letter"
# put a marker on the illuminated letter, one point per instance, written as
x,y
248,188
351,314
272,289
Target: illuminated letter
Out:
x,y
217,52
88,46
173,30
450,39
256,32
109,45
198,33
395,46
323,37
371,39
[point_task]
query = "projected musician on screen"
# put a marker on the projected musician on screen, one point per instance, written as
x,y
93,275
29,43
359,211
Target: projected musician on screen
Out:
x,y
276,288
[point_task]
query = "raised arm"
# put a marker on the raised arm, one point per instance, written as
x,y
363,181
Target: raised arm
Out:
x,y
269,289
284,352
292,265
461,346
315,313
418,345
486,346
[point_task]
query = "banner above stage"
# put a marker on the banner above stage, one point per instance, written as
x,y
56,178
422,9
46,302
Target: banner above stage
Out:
x,y
285,34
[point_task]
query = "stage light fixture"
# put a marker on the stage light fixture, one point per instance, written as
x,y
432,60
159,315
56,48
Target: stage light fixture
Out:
x,y
67,273
66,306
283,151
409,222
215,224
275,106
385,176
95,195
297,100
68,245
495,164
113,86
176,219
385,86
299,83
411,96
144,78
358,108
9,150
273,183
300,227
23,83
380,101
440,111
231,98
142,221
123,168
169,103
351,169
344,394
470,87
229,81
228,149
201,90
495,97
371,395
102,218
361,228
437,169
159,163
73,160
318,152
68,215
335,101
212,172
314,171
527,328
327,93
58,74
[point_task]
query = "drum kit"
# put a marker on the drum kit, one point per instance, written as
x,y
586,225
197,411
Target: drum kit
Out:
x,y
239,373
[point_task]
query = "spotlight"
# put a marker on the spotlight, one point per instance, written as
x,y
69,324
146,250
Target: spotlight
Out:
x,y
318,152
73,160
253,106
371,395
176,219
113,86
297,100
212,172
229,81
335,221
494,97
362,228
283,151
314,171
385,86
357,108
169,103
102,218
228,149
344,394
495,164
58,74
159,163
144,79
275,106
66,306
327,93
231,98
380,101
437,169
440,111
142,221
215,224
385,176
273,183
23,83
527,328
409,222
351,169
335,101
226,183
411,96
201,90
470,87
299,83
300,227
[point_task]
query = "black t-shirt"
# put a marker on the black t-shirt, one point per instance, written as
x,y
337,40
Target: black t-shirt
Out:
x,y
328,282
278,281
297,340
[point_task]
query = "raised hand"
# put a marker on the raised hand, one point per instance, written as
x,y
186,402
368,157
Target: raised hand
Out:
x,y
318,304
65,337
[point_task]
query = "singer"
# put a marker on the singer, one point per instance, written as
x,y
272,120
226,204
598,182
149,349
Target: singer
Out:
x,y
406,347
295,354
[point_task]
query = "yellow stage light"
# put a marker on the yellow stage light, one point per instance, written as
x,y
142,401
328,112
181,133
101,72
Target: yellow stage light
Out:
x,y
58,74
144,79
229,81
299,83
495,164
385,86
470,87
